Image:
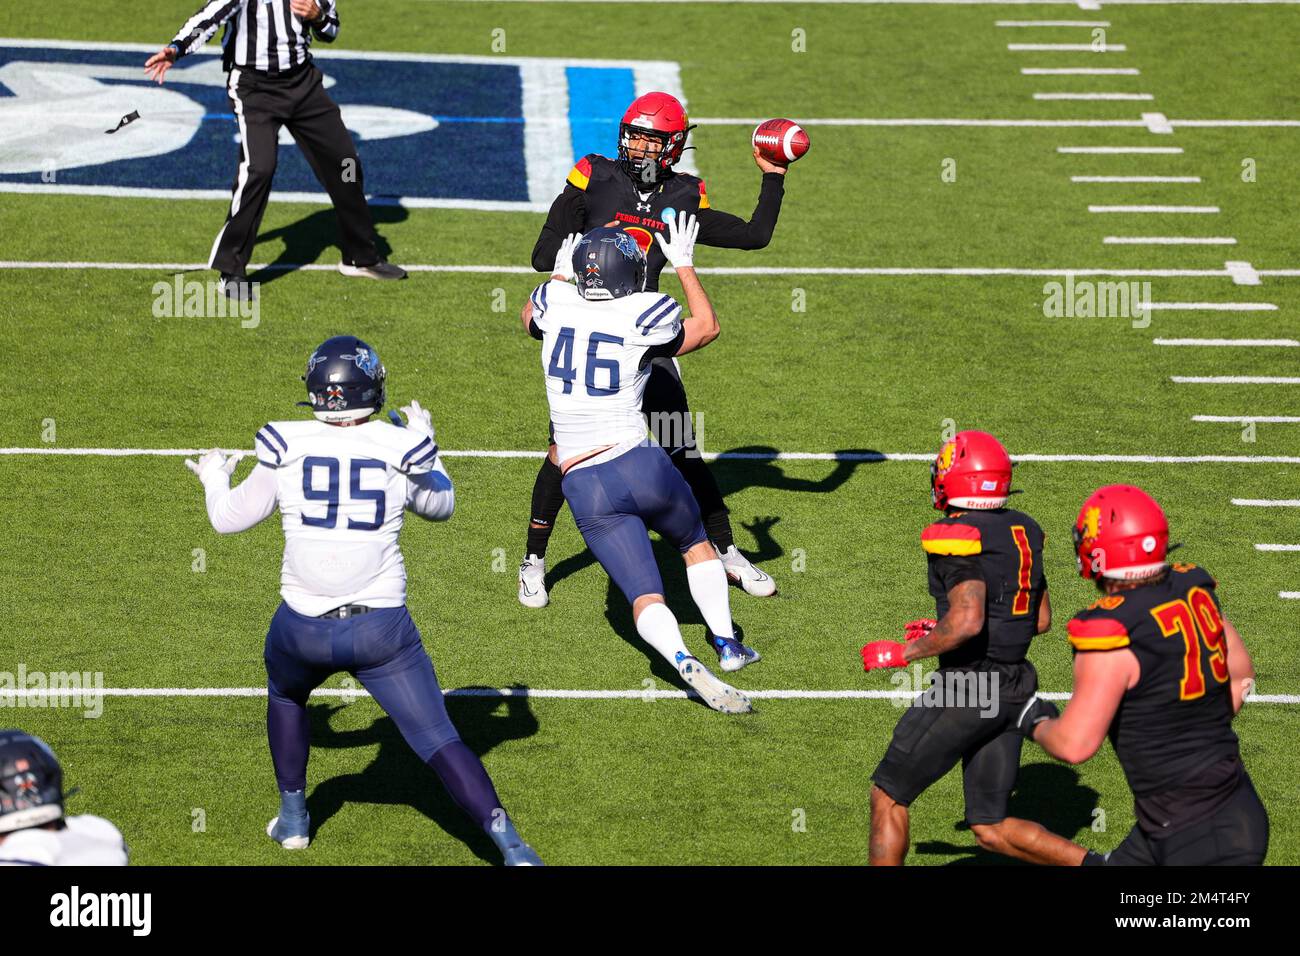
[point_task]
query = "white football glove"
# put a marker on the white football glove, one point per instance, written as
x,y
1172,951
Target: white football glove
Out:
x,y
564,258
211,462
418,419
680,247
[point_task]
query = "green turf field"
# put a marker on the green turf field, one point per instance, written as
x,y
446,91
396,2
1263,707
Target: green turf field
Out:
x,y
100,552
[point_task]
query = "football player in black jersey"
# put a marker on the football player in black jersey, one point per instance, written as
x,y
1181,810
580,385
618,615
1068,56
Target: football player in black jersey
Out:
x,y
638,191
986,575
1160,669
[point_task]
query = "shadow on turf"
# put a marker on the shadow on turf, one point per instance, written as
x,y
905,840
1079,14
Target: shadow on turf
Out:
x,y
733,475
398,776
1046,793
315,237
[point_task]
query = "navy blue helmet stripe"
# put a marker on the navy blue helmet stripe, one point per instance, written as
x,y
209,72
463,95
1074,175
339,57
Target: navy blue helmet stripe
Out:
x,y
654,308
269,447
276,435
427,441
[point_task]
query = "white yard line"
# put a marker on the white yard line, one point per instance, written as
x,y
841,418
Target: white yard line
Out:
x,y
1233,380
1243,419
1079,71
1120,150
1169,241
1266,502
1244,343
1093,96
1162,210
640,694
1066,48
1277,547
1135,179
176,267
711,456
1052,23
1289,595
1210,306
1243,273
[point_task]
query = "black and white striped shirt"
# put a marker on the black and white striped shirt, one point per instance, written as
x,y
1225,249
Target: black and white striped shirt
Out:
x,y
261,35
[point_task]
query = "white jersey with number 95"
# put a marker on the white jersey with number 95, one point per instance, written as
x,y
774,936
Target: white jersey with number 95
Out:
x,y
596,358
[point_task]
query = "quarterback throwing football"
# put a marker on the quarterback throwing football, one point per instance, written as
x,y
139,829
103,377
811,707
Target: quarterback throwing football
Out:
x,y
598,340
342,483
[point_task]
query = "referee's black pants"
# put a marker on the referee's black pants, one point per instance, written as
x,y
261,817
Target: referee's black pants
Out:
x,y
263,102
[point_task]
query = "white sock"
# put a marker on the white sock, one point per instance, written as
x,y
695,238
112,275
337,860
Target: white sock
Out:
x,y
658,628
708,583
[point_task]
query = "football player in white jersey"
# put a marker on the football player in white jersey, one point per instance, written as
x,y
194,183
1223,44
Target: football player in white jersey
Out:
x,y
598,339
343,482
33,828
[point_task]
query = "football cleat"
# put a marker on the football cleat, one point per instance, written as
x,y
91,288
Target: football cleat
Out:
x,y
292,828
376,270
522,855
733,655
532,582
741,571
720,696
238,288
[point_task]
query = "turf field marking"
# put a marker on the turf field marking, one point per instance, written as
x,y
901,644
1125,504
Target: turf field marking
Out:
x,y
1157,123
1244,343
174,267
1210,210
1277,547
1266,503
1233,380
1289,595
1093,96
1242,273
728,456
1169,241
1135,179
1243,419
1066,48
1079,71
1210,306
558,694
1120,150
1052,23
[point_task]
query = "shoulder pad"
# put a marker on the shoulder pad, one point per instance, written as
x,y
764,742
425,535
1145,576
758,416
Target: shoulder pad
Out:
x,y
704,196
270,445
951,538
582,171
1096,633
1198,574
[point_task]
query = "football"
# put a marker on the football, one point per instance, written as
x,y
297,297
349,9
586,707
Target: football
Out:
x,y
780,140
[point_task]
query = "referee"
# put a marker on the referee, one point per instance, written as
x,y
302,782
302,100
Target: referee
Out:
x,y
272,83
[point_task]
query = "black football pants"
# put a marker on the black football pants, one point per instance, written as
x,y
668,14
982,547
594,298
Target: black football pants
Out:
x,y
297,100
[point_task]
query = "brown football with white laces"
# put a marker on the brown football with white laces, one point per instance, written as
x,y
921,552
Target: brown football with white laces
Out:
x,y
780,141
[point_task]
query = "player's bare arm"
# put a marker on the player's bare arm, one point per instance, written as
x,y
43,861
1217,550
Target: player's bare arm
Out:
x,y
1100,680
963,621
1045,614
1241,669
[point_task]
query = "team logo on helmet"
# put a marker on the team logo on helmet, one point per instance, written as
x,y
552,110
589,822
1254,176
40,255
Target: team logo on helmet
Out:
x,y
1091,523
945,455
316,359
365,360
625,244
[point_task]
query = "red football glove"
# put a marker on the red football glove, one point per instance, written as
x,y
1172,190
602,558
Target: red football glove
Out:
x,y
918,628
882,654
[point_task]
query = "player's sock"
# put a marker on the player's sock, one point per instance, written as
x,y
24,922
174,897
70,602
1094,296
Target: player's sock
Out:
x,y
289,734
659,629
548,499
708,582
717,525
468,783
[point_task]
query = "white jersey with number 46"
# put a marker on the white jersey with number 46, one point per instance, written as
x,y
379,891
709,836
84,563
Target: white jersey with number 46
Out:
x,y
596,357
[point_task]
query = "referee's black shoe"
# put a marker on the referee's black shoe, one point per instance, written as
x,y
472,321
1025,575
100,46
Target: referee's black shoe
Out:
x,y
376,270
238,288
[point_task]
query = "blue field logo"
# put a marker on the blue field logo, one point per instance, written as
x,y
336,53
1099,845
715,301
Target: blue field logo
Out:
x,y
481,132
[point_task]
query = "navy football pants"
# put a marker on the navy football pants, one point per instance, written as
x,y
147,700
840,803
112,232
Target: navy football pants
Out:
x,y
382,649
614,502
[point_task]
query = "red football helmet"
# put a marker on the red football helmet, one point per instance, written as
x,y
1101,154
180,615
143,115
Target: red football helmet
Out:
x,y
1121,533
973,471
660,118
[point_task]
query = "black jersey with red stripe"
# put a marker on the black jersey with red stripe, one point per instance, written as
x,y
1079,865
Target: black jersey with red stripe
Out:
x,y
1004,549
1175,723
599,191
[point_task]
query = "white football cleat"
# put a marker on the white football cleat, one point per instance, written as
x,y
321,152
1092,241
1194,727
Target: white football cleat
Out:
x,y
721,697
290,837
749,577
532,582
